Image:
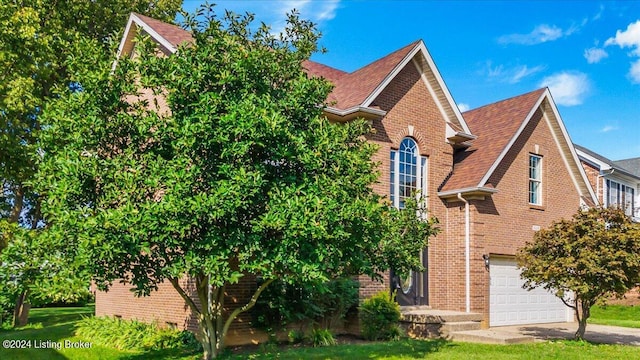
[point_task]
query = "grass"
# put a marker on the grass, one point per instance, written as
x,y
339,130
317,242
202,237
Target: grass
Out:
x,y
58,324
444,350
616,315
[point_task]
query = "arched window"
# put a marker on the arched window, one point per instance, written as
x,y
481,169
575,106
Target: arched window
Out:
x,y
408,172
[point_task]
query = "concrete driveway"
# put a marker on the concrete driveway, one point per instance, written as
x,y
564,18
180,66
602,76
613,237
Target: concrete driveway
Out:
x,y
602,334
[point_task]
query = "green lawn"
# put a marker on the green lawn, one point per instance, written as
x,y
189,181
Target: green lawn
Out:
x,y
57,325
617,315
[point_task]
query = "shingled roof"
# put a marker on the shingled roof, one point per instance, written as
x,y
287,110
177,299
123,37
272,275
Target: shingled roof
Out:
x,y
495,125
172,33
352,93
354,88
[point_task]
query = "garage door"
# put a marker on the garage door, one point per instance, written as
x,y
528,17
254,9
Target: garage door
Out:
x,y
510,304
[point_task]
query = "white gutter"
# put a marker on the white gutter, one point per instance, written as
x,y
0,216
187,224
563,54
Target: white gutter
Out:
x,y
467,241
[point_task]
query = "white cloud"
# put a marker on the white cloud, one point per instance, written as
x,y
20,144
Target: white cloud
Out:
x,y
511,75
463,107
567,88
540,34
594,55
599,14
523,71
316,11
608,128
628,38
634,72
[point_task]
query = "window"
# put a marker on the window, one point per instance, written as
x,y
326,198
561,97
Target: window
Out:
x,y
620,195
408,172
535,179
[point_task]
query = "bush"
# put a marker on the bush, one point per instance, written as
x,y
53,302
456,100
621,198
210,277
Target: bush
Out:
x,y
322,337
314,303
379,317
133,335
295,336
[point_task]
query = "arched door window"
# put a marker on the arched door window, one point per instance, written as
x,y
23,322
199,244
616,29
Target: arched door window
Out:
x,y
408,172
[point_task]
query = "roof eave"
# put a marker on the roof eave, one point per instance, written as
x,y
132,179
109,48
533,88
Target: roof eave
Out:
x,y
471,193
343,115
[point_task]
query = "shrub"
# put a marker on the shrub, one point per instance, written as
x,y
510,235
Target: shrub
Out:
x,y
133,335
295,336
322,337
320,303
379,317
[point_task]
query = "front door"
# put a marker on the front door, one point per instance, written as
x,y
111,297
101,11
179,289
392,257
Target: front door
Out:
x,y
412,288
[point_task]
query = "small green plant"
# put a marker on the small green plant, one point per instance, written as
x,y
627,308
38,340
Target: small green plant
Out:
x,y
379,316
322,337
295,336
133,335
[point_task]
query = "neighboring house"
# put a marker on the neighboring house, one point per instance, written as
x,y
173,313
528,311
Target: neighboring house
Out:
x,y
493,176
617,183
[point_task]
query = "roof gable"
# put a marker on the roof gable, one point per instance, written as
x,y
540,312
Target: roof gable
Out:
x,y
353,92
498,126
624,167
167,35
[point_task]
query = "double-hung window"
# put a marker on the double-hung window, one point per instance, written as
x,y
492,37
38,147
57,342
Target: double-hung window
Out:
x,y
408,173
620,195
535,179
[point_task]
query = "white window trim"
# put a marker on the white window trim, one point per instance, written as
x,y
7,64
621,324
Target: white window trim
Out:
x,y
539,181
422,165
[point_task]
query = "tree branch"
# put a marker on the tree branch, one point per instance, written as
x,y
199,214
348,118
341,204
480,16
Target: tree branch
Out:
x,y
183,294
244,308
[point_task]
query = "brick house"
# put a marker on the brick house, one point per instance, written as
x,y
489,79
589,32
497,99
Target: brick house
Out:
x,y
493,176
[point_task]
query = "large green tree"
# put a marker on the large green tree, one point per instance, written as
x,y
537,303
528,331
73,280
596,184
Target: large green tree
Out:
x,y
244,175
37,37
591,257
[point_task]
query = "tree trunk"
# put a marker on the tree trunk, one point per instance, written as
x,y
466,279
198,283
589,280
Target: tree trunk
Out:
x,y
583,312
212,326
18,203
21,310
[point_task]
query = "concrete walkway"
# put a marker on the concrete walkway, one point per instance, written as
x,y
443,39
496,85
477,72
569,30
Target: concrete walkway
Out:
x,y
602,334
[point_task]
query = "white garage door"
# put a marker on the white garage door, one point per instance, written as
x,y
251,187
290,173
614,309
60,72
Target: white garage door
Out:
x,y
510,304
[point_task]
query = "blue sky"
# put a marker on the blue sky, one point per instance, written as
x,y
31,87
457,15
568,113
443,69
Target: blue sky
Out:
x,y
587,53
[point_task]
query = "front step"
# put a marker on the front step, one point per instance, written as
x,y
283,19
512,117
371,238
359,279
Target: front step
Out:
x,y
448,328
489,336
424,322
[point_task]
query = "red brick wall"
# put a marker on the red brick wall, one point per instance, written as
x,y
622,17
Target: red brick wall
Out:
x,y
593,174
504,223
166,307
412,111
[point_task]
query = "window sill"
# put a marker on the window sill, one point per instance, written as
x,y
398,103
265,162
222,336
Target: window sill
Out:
x,y
537,207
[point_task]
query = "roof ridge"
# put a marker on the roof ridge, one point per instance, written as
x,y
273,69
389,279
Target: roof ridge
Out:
x,y
540,90
382,58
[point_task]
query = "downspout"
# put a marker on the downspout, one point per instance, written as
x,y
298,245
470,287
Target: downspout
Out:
x,y
467,241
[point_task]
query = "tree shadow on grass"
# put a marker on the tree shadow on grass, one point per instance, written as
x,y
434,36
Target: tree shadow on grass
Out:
x,y
165,354
369,350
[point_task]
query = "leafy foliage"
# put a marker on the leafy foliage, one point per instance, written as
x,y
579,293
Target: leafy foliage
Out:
x,y
324,304
322,337
593,256
132,334
37,37
379,317
46,269
241,174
